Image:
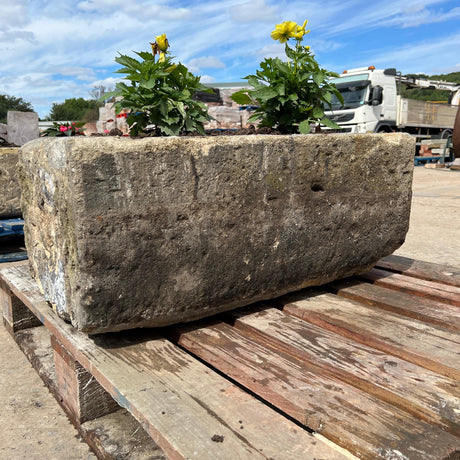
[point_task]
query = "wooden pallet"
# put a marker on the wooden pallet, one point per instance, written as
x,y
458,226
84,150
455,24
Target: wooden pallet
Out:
x,y
364,367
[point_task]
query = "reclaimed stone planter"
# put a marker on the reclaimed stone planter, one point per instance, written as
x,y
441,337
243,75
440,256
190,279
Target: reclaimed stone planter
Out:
x,y
124,233
10,192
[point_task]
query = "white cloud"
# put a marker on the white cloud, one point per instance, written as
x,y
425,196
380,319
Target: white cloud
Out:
x,y
81,73
254,10
207,79
425,56
208,62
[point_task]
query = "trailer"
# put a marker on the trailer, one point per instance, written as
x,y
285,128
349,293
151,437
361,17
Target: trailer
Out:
x,y
372,104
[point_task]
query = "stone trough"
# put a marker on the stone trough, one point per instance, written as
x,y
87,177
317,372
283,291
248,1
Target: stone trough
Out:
x,y
10,192
125,233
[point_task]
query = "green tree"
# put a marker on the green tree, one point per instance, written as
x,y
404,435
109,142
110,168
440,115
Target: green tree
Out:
x,y
12,103
75,109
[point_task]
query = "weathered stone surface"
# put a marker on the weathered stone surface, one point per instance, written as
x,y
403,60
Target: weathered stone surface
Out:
x,y
22,127
124,233
10,192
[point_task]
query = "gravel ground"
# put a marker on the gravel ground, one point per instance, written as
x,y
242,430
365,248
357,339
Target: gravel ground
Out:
x,y
34,427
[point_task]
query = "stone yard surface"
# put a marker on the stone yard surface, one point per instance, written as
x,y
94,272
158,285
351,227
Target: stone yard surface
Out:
x,y
34,426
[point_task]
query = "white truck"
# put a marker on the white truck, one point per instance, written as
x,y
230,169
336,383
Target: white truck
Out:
x,y
372,104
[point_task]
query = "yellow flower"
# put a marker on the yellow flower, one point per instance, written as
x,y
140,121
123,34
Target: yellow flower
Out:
x,y
284,31
162,42
300,31
162,57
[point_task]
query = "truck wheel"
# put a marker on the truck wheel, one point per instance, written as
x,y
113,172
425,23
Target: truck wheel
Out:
x,y
384,129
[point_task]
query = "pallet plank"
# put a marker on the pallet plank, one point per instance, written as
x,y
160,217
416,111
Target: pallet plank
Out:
x,y
418,269
411,340
416,286
429,311
423,393
114,436
186,408
349,417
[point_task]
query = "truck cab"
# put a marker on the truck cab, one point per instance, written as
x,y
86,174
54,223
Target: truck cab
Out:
x,y
369,100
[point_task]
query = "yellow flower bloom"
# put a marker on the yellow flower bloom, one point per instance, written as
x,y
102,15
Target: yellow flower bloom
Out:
x,y
162,42
284,31
162,57
300,31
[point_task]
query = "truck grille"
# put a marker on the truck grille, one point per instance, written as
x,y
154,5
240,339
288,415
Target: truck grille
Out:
x,y
342,117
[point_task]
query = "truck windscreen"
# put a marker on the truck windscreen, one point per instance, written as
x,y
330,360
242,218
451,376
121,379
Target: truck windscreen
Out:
x,y
353,90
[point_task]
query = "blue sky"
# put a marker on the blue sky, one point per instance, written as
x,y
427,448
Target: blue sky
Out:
x,y
53,50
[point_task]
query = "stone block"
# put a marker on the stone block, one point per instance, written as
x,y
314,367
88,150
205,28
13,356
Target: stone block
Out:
x,y
22,127
125,233
10,192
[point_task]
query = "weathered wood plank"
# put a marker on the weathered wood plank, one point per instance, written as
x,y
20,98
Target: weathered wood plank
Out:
x,y
84,398
411,340
416,286
423,393
418,269
188,409
16,316
349,417
429,311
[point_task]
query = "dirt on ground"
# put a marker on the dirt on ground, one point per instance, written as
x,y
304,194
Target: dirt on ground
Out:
x,y
33,426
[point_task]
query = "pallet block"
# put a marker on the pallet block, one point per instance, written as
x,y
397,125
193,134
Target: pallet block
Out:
x,y
16,316
81,393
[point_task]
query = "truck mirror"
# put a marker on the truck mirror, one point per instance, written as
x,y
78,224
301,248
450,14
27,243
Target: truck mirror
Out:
x,y
377,95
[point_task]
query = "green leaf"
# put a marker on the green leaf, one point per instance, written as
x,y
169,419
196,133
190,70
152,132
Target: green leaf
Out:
x,y
265,93
241,97
317,113
147,84
304,127
318,78
128,61
329,123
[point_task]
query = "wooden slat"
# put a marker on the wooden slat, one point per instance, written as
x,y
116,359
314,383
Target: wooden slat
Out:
x,y
429,311
357,421
423,393
411,340
427,289
419,269
190,411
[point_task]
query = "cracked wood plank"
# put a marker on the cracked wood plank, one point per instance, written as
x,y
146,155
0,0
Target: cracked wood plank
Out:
x,y
416,286
347,416
423,393
426,310
419,269
415,341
